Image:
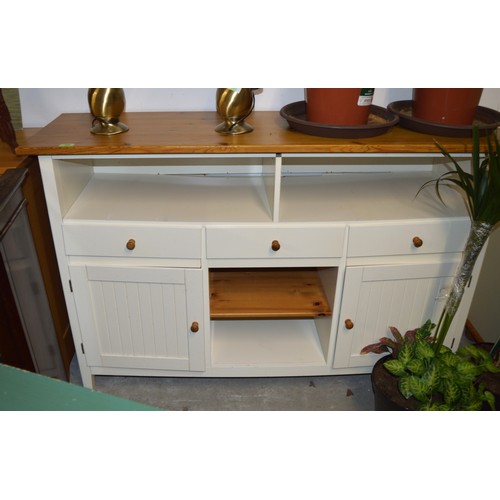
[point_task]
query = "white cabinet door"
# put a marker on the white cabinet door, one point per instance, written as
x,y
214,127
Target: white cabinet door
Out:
x,y
376,297
140,317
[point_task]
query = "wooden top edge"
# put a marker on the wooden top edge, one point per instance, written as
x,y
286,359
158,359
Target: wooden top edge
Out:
x,y
193,133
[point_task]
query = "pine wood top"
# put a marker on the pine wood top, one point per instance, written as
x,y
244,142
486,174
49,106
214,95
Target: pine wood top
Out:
x,y
7,158
193,132
267,294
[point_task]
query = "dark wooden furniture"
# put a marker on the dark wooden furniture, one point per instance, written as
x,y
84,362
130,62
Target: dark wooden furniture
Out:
x,y
31,190
27,335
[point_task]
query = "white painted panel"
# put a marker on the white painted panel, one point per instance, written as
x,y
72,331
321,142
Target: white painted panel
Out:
x,y
70,178
135,321
195,299
169,319
180,305
255,242
405,272
173,198
135,274
266,343
364,197
110,240
396,238
110,315
404,299
122,328
132,322
158,306
145,316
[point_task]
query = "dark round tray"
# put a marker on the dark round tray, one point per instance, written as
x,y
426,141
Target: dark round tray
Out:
x,y
379,122
486,119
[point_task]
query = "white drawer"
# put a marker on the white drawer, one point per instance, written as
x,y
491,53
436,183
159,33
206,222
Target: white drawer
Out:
x,y
409,238
274,242
132,240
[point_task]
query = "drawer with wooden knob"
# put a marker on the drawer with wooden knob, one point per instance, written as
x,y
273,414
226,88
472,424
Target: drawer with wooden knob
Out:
x,y
275,242
408,238
132,240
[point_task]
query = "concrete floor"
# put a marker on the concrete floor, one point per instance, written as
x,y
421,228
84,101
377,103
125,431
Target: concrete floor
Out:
x,y
332,393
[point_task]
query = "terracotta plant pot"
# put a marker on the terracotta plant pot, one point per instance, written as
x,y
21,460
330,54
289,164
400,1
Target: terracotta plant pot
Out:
x,y
446,106
339,106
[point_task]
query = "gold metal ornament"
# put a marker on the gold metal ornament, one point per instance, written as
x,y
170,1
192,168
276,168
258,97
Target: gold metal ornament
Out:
x,y
233,106
107,105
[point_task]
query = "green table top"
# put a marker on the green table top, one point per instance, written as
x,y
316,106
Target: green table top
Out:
x,y
22,390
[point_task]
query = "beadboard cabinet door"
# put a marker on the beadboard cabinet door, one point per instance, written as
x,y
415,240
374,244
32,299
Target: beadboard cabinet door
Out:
x,y
376,297
140,317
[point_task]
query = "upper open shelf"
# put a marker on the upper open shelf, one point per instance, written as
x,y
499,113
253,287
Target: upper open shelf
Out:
x,y
252,188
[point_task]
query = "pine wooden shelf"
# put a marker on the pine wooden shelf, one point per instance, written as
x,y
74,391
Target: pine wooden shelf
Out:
x,y
267,294
193,132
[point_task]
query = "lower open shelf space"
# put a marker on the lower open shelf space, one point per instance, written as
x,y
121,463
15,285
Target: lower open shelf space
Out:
x,y
260,343
271,317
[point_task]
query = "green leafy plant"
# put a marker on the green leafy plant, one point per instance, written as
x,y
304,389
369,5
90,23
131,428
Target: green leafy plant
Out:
x,y
443,380
481,190
428,370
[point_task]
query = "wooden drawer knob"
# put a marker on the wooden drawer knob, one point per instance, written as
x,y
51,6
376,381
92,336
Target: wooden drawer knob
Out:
x,y
195,327
275,245
130,244
417,242
349,324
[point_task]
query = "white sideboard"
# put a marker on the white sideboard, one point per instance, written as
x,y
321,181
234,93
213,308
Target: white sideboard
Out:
x,y
186,253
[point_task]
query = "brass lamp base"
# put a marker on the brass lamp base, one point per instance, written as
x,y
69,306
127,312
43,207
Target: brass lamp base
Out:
x,y
101,127
234,128
233,106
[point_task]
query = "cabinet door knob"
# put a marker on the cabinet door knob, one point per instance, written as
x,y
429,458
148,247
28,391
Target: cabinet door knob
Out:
x,y
349,324
275,245
417,242
195,326
130,244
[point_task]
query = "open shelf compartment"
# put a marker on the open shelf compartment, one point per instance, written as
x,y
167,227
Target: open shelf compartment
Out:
x,y
267,343
263,317
267,294
168,189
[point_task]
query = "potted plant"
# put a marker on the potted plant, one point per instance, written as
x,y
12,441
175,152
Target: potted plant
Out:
x,y
427,380
454,106
343,107
422,366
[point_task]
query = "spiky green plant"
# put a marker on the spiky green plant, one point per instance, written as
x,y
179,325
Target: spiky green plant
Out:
x,y
427,370
481,189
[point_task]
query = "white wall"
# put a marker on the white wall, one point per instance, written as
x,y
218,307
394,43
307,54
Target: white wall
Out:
x,y
484,313
40,106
